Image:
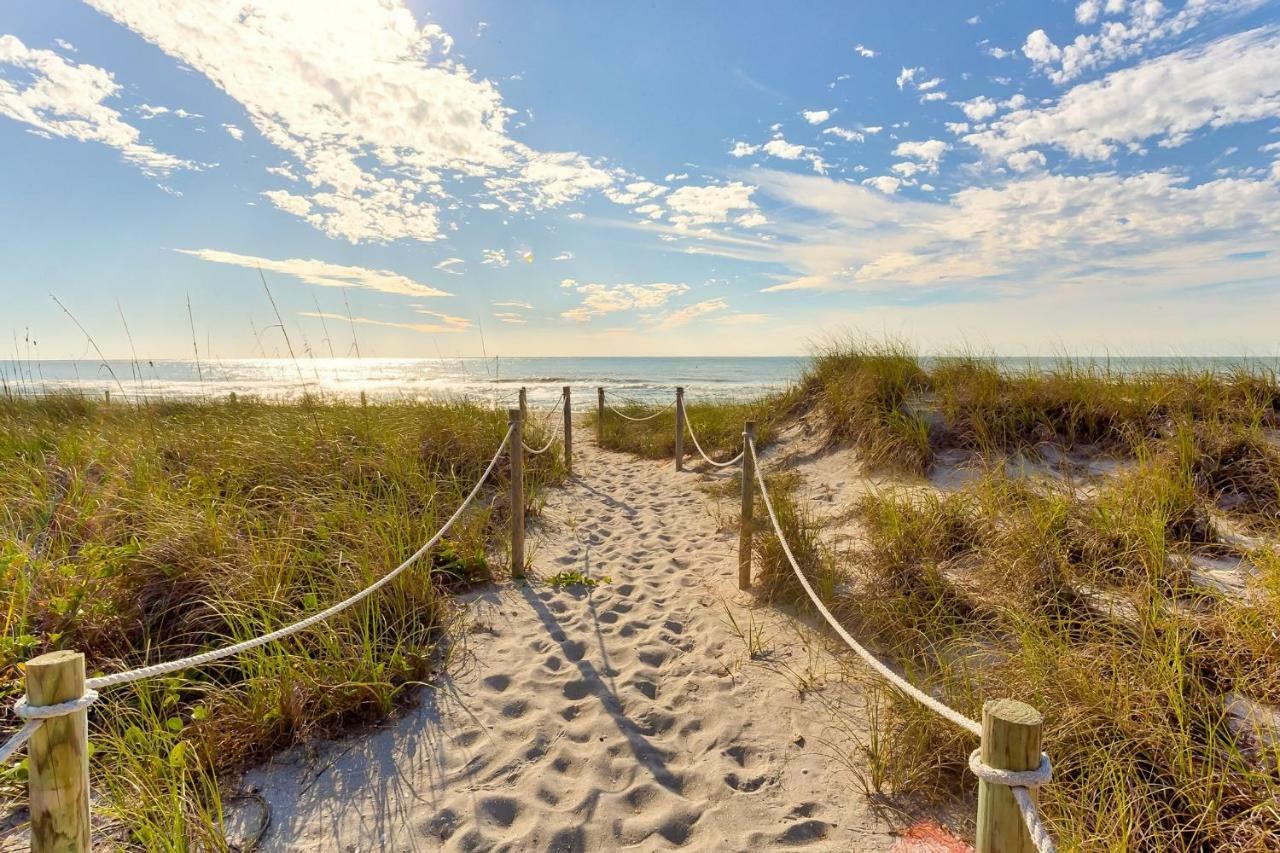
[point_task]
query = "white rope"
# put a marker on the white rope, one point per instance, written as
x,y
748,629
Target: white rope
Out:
x,y
34,715
1020,784
875,663
20,737
639,420
227,651
734,461
546,424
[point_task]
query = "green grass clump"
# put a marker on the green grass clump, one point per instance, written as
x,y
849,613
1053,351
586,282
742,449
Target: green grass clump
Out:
x,y
718,425
142,534
1083,607
900,412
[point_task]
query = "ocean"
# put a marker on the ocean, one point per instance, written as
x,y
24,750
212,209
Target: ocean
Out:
x,y
492,380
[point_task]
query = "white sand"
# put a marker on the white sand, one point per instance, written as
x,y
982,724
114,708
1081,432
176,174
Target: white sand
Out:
x,y
626,717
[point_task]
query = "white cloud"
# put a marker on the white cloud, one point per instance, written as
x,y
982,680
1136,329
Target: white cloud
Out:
x,y
1146,232
1234,79
845,134
510,317
234,132
905,76
816,116
683,316
884,183
979,108
1149,23
933,96
448,264
513,303
322,273
496,258
445,322
974,20
999,52
929,84
928,152
1088,11
742,149
864,52
690,205
783,150
368,105
65,99
1025,161
635,192
599,299
563,256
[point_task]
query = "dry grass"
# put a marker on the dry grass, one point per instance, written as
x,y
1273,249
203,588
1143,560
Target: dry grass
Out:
x,y
140,534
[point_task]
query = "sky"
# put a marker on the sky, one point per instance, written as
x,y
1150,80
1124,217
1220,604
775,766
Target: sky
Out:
x,y
664,178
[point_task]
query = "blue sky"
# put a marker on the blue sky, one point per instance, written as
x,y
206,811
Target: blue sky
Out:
x,y
543,178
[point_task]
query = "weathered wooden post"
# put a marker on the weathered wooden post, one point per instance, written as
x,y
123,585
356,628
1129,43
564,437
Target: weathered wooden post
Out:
x,y
106,396
524,405
515,448
746,524
679,453
568,429
599,416
1010,741
58,757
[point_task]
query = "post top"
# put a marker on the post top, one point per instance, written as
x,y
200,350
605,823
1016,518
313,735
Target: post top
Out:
x,y
58,658
1012,711
513,415
680,389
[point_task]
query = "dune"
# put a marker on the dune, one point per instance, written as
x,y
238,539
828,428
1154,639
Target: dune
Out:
x,y
628,715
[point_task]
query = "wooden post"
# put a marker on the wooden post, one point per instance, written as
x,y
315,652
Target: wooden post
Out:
x,y
106,396
568,429
746,524
524,405
1010,741
58,757
516,450
599,416
679,429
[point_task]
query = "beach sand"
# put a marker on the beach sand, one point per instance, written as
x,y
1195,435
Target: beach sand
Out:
x,y
626,716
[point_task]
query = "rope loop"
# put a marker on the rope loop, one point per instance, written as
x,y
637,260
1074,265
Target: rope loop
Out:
x,y
1030,779
26,711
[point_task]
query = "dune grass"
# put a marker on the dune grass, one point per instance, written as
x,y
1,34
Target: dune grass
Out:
x,y
141,534
1158,686
718,424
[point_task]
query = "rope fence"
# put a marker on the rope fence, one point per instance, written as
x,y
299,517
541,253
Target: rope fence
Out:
x,y
58,776
1020,783
1008,763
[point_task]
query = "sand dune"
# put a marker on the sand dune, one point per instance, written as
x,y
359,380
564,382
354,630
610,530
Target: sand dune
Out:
x,y
628,716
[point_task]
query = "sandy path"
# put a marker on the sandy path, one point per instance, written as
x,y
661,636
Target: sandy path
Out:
x,y
624,717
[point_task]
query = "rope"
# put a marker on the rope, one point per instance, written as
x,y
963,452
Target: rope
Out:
x,y
734,461
875,663
546,424
1018,782
639,420
227,651
34,715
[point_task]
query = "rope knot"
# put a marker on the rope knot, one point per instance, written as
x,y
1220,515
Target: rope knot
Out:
x,y
26,711
1011,778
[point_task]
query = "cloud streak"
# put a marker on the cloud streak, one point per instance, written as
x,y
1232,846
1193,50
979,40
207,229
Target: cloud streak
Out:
x,y
322,273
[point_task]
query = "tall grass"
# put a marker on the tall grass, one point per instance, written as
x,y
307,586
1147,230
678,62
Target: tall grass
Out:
x,y
718,424
141,534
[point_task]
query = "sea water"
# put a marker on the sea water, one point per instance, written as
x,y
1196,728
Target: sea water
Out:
x,y
492,380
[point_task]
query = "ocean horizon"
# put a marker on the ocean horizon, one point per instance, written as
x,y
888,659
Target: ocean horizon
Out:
x,y
496,380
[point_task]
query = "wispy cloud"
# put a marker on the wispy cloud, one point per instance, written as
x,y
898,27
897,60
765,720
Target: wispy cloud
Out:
x,y
66,99
446,323
395,91
322,273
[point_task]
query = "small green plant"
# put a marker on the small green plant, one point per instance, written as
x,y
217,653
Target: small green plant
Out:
x,y
751,634
576,578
